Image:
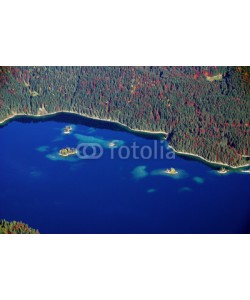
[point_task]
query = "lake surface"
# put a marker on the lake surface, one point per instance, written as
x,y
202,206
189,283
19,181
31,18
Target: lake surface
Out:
x,y
110,194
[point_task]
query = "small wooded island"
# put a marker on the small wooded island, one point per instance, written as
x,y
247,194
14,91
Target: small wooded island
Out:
x,y
171,171
67,152
203,110
67,130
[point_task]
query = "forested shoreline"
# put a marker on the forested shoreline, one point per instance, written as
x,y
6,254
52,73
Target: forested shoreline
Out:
x,y
204,110
15,227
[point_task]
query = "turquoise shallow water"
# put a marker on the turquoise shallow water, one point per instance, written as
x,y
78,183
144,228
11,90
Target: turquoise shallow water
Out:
x,y
133,195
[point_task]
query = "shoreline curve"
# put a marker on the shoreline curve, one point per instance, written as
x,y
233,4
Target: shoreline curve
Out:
x,y
125,126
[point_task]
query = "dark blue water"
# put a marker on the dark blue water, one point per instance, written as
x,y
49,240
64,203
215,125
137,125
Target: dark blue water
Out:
x,y
71,195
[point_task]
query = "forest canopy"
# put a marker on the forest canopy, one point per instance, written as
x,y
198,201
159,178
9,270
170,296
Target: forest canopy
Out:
x,y
204,110
15,227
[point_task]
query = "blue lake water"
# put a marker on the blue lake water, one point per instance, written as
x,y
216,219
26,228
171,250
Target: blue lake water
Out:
x,y
72,195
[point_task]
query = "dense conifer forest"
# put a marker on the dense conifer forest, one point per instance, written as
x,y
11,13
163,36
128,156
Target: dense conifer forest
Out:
x,y
204,110
15,227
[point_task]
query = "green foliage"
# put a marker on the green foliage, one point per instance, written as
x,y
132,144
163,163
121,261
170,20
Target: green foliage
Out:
x,y
15,228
